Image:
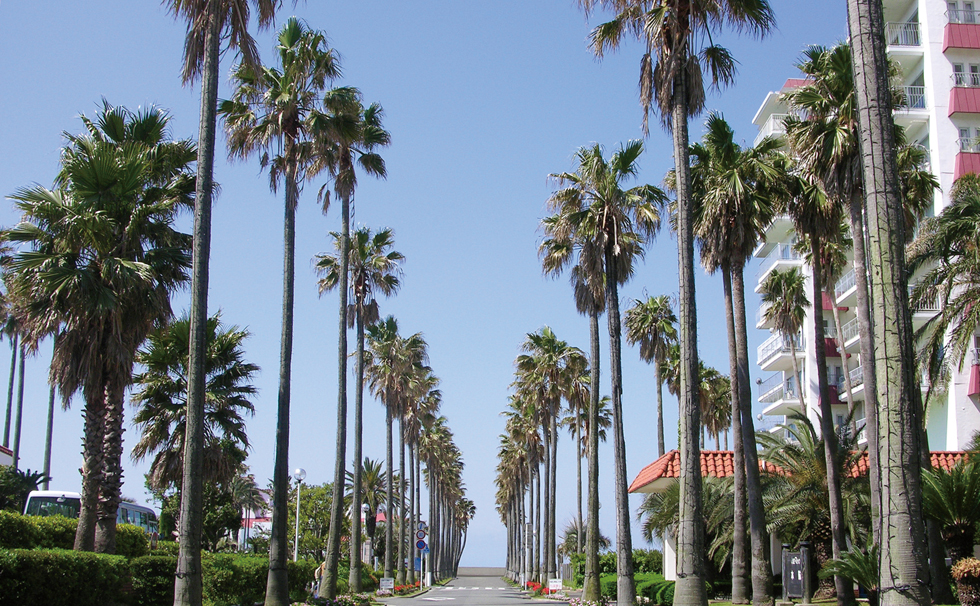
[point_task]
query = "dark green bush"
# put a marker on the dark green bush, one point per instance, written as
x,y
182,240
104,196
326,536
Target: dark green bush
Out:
x,y
607,585
54,532
131,541
234,579
648,560
607,563
153,580
53,577
17,531
301,578
166,548
665,596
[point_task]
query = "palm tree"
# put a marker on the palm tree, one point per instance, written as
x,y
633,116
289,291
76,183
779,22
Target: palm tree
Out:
x,y
652,324
389,365
373,489
347,136
716,409
103,259
617,222
785,302
545,374
798,492
271,112
207,22
818,219
588,286
952,498
373,266
734,193
679,39
245,494
161,402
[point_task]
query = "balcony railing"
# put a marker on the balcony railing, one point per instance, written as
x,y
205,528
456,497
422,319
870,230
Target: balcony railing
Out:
x,y
779,390
966,80
760,314
963,16
926,305
779,344
782,252
902,34
976,355
850,329
914,97
857,376
970,145
772,127
846,282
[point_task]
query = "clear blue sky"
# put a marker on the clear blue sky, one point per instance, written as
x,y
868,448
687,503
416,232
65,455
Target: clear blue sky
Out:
x,y
483,100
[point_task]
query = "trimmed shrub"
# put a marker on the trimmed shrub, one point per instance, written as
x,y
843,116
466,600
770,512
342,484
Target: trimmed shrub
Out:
x,y
153,580
665,596
17,531
54,532
35,576
131,541
166,548
648,560
301,578
607,563
607,585
234,579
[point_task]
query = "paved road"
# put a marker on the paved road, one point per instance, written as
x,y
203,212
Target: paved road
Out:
x,y
473,587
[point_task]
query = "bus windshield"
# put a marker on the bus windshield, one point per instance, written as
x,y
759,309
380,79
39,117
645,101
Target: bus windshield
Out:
x,y
53,506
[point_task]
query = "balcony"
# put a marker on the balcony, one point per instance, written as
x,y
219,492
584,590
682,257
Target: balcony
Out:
x,y
851,334
782,254
968,159
964,96
773,127
760,317
903,34
913,98
779,395
962,30
774,353
846,286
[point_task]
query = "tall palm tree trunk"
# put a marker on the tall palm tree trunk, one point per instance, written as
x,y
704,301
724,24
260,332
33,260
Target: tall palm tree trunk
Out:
x,y
941,593
389,493
400,567
546,545
552,530
188,589
19,415
337,503
93,415
901,535
866,328
112,448
690,588
10,391
277,587
661,448
580,530
539,530
48,435
839,342
740,543
411,515
845,593
762,590
625,585
418,495
354,579
590,588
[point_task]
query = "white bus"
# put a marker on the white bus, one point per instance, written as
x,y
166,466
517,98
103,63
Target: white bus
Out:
x,y
68,504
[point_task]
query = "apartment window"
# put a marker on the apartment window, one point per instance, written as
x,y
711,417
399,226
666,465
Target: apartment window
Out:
x,y
974,74
967,14
953,12
959,75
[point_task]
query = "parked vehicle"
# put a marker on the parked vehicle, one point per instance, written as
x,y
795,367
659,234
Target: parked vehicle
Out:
x,y
68,504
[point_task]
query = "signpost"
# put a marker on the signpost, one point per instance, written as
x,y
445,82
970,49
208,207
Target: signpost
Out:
x,y
387,583
420,544
555,585
420,534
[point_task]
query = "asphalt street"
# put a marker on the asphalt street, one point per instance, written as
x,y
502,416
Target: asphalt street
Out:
x,y
473,587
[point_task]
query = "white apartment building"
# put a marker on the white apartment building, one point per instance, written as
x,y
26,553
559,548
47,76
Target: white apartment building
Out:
x,y
937,46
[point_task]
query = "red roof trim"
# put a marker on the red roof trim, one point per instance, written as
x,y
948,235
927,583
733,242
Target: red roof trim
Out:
x,y
6,451
720,464
961,35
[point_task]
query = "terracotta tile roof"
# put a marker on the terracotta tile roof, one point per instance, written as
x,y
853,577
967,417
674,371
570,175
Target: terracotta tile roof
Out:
x,y
720,464
795,83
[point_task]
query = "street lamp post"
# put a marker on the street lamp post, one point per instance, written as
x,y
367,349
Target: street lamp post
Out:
x,y
299,474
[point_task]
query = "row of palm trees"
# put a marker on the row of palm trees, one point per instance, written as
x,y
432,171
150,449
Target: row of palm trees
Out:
x,y
99,258
712,203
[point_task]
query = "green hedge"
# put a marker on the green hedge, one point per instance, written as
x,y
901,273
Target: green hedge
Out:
x,y
54,577
58,532
153,580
